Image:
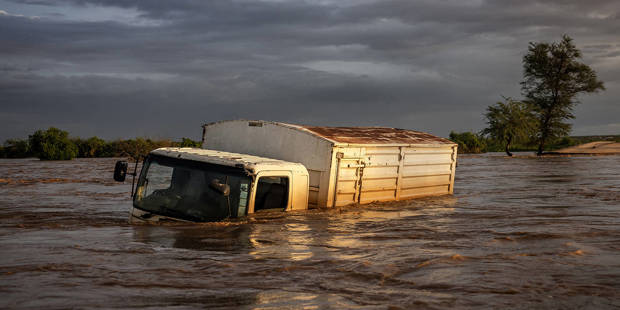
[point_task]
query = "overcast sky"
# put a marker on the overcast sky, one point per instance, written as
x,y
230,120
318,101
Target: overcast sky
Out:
x,y
121,69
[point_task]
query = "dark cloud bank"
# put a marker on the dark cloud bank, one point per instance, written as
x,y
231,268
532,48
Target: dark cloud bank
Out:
x,y
162,68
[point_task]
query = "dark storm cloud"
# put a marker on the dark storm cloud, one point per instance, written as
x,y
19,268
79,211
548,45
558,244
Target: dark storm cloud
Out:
x,y
161,68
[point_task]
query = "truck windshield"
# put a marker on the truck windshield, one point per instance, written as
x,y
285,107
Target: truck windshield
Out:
x,y
181,189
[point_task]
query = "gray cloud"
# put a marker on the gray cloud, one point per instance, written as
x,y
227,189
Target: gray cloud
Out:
x,y
162,68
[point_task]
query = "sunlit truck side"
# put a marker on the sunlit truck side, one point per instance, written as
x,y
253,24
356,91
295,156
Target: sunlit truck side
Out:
x,y
249,166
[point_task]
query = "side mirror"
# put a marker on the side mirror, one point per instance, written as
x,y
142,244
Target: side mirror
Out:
x,y
223,189
120,171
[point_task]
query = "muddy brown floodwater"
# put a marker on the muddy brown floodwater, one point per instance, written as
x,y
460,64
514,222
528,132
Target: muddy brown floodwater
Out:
x,y
518,233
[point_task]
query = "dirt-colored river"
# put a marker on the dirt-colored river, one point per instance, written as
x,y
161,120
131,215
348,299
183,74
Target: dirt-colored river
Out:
x,y
518,233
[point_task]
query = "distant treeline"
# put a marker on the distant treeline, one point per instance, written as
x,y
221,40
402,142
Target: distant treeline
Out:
x,y
55,144
473,143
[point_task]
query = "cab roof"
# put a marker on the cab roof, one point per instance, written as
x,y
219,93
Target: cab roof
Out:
x,y
245,161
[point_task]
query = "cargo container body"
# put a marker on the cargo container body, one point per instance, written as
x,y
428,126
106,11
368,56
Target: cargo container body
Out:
x,y
347,165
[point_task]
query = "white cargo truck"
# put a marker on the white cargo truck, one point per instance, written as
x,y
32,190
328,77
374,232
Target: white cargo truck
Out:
x,y
246,166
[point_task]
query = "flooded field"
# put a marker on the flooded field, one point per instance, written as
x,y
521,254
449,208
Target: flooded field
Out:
x,y
518,233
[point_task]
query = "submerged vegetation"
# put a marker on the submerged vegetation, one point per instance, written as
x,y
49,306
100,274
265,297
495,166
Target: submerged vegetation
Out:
x,y
553,77
52,144
55,144
510,122
474,143
469,142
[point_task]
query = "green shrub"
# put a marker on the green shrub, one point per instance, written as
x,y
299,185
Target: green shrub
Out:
x,y
15,148
186,142
562,143
469,142
135,148
92,147
52,144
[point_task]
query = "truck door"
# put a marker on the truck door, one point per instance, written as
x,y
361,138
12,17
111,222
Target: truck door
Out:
x,y
271,191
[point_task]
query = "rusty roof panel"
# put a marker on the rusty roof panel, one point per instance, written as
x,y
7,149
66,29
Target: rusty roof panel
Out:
x,y
376,135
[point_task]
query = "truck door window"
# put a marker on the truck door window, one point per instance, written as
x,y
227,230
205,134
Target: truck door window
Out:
x,y
271,193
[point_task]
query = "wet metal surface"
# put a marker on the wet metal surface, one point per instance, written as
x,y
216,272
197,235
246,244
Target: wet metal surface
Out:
x,y
519,233
376,135
352,135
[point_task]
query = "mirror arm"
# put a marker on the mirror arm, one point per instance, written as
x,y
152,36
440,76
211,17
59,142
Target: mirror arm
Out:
x,y
133,176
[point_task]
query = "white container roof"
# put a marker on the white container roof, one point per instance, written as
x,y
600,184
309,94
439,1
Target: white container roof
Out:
x,y
358,135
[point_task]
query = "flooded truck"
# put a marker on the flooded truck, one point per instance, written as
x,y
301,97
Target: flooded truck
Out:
x,y
247,166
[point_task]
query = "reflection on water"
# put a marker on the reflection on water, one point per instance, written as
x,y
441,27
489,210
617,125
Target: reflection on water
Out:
x,y
518,232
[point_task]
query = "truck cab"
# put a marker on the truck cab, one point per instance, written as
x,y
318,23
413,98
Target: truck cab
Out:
x,y
200,185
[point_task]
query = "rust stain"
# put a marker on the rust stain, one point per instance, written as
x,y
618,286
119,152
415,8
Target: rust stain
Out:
x,y
376,135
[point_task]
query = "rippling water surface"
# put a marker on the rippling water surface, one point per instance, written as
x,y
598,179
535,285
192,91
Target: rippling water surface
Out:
x,y
518,232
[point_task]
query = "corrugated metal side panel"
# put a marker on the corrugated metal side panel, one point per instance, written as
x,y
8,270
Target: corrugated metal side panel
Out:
x,y
379,176
426,171
424,191
453,172
345,177
368,174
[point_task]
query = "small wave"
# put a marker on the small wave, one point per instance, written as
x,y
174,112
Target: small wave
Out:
x,y
451,259
11,181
